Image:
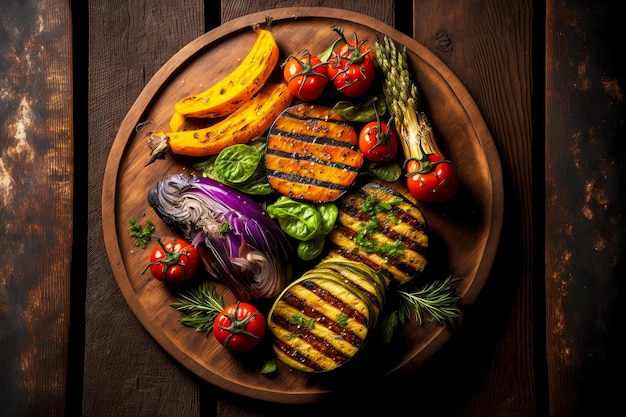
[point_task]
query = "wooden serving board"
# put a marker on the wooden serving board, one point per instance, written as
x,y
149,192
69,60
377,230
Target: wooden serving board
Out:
x,y
464,232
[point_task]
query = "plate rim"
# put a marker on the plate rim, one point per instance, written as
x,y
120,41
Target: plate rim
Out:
x,y
231,28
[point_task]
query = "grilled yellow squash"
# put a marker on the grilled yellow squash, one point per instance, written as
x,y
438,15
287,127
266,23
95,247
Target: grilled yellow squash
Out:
x,y
321,321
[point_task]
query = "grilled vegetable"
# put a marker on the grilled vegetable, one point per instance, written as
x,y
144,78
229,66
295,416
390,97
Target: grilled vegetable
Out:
x,y
430,176
239,86
250,120
363,278
325,317
380,227
240,245
312,154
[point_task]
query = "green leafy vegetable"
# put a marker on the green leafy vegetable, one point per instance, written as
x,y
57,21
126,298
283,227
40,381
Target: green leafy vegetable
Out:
x,y
363,111
269,367
305,222
240,167
142,236
299,220
386,171
311,249
237,163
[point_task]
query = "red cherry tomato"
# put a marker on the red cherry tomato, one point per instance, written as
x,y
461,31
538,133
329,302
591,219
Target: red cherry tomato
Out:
x,y
432,179
352,68
378,141
173,262
305,76
239,327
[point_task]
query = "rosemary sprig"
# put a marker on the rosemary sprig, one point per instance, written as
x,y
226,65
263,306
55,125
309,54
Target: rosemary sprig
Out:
x,y
436,302
200,305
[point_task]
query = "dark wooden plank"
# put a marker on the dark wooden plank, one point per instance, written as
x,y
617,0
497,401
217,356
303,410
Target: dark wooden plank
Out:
x,y
585,177
474,374
488,369
382,10
126,372
36,192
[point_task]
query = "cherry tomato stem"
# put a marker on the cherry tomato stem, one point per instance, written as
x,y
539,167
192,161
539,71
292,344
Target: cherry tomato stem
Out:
x,y
351,69
239,327
306,76
173,262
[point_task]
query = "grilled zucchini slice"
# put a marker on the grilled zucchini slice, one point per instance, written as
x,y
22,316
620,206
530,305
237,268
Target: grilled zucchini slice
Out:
x,y
319,322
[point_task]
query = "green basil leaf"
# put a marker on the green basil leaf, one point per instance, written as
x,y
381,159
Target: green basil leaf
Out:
x,y
299,220
311,249
329,213
386,171
363,111
237,163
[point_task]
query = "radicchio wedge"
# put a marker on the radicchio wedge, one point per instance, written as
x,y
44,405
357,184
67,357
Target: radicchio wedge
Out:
x,y
245,249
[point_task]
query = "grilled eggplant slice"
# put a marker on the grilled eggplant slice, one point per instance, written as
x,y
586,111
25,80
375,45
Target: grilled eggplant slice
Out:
x,y
374,218
312,154
320,322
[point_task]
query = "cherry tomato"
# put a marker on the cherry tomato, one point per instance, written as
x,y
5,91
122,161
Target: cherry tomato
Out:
x,y
173,262
352,68
305,76
378,141
239,327
431,179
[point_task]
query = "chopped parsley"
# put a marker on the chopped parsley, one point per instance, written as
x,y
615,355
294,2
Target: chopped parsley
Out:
x,y
301,321
365,240
141,235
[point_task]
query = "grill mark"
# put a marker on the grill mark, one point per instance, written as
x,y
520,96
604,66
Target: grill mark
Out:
x,y
309,116
372,297
387,230
306,334
314,139
397,262
297,356
305,180
353,256
275,153
330,298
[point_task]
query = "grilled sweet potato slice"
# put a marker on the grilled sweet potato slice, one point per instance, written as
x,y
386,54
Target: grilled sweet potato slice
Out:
x,y
312,154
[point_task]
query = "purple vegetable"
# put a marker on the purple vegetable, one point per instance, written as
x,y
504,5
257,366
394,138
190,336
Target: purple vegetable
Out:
x,y
245,249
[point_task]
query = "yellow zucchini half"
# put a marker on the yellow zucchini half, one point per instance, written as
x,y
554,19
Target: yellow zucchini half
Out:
x,y
247,122
239,86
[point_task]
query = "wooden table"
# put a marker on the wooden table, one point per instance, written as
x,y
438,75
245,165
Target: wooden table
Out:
x,y
542,338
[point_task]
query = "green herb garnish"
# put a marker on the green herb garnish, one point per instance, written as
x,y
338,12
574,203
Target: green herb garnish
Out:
x,y
141,235
200,306
364,238
436,302
301,321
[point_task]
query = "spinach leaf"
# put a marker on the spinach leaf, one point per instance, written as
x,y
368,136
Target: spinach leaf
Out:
x,y
299,220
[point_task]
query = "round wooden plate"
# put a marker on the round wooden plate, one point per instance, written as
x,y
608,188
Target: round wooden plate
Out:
x,y
464,232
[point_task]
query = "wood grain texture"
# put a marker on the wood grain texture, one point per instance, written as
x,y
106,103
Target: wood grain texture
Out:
x,y
121,360
36,194
382,10
486,44
584,236
467,237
